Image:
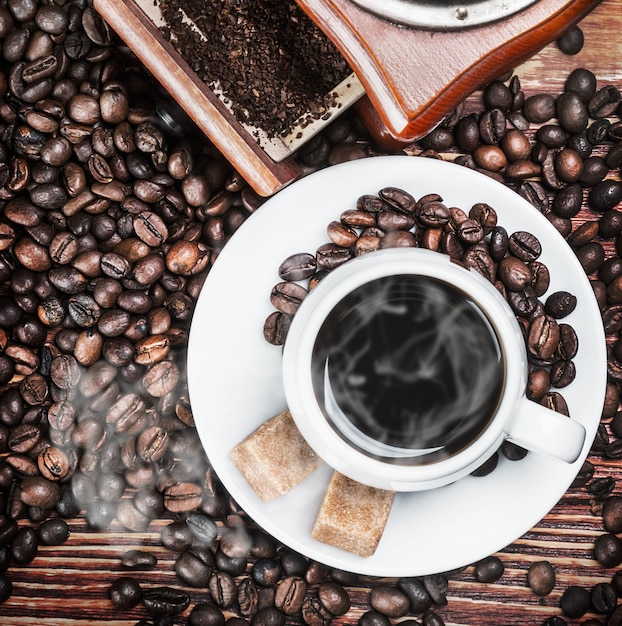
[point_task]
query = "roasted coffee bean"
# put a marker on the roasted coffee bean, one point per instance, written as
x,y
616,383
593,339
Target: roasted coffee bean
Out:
x,y
490,157
248,597
398,239
276,327
6,588
152,443
612,514
334,598
610,223
204,614
110,486
567,202
40,492
551,136
341,235
436,585
182,497
357,218
512,451
130,517
568,165
605,195
538,383
608,550
555,402
489,570
604,598
431,618
194,567
562,373
575,601
541,577
514,274
24,545
492,125
125,592
176,536
392,220
149,502
24,437
571,42
223,589
236,542
293,564
54,532
399,199
584,475
290,594
470,231
266,572
600,488
571,112
439,139
524,246
604,102
389,601
560,304
161,378
137,560
373,618
235,566
298,267
591,256
539,108
287,297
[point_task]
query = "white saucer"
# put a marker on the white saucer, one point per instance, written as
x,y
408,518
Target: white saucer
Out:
x,y
234,375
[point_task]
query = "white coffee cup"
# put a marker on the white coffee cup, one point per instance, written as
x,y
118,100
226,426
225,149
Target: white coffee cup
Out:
x,y
343,439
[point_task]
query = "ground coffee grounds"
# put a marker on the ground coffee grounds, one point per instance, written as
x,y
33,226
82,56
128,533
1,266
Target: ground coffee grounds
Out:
x,y
271,62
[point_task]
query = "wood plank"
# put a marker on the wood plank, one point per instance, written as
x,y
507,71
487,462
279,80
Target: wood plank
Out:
x,y
68,585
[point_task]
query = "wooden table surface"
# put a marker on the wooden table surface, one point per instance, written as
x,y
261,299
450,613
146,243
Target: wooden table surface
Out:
x,y
68,584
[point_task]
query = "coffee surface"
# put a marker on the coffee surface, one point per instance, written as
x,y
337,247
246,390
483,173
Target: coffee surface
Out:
x,y
410,363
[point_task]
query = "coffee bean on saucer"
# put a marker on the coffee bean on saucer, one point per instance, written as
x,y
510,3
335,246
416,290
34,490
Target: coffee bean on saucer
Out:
x,y
298,267
538,383
487,467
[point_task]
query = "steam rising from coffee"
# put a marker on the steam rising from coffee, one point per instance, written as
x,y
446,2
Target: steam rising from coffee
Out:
x,y
408,368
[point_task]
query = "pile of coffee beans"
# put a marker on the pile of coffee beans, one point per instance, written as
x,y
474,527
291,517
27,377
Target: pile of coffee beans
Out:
x,y
109,225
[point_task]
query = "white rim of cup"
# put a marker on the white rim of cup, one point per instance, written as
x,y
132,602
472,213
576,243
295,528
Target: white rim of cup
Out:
x,y
310,419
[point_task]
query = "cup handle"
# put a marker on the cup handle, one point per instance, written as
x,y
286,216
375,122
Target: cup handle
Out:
x,y
542,430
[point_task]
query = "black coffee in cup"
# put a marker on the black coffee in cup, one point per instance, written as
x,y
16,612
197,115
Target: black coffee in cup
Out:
x,y
408,368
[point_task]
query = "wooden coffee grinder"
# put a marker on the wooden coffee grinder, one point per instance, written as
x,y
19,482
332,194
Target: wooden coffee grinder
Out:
x,y
413,62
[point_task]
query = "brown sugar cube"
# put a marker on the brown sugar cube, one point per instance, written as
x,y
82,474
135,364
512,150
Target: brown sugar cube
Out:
x,y
275,457
352,516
